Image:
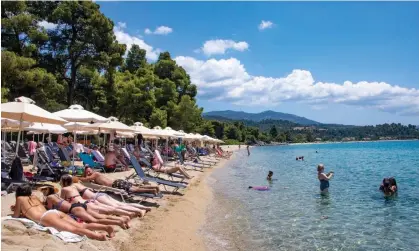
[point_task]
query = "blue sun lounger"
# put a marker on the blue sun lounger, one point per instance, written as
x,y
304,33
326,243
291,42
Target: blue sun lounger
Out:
x,y
171,175
87,160
142,176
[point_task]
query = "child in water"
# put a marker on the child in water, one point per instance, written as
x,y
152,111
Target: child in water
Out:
x,y
270,174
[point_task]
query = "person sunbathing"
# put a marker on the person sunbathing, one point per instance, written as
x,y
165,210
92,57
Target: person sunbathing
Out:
x,y
70,193
54,201
156,165
104,180
103,198
29,206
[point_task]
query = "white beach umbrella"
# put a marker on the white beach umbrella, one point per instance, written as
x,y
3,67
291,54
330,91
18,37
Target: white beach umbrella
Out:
x,y
46,128
125,134
28,112
24,109
174,133
158,132
76,113
11,123
112,124
139,128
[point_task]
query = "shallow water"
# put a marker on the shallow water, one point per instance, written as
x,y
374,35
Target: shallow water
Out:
x,y
293,215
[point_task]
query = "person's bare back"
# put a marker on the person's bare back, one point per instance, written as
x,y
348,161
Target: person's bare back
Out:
x,y
102,179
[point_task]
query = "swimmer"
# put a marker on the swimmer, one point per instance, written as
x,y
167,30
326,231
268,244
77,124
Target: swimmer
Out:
x,y
323,178
270,174
389,186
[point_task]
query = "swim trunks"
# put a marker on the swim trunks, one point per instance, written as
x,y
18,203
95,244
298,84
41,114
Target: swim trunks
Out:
x,y
122,184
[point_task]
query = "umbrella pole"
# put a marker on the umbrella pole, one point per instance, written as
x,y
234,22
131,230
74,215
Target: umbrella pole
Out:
x,y
74,145
43,137
18,136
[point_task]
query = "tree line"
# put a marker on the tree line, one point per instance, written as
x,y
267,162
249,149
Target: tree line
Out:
x,y
247,131
62,53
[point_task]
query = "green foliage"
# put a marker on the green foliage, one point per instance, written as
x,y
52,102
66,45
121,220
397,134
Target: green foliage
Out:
x,y
273,132
186,115
232,142
158,118
135,59
78,60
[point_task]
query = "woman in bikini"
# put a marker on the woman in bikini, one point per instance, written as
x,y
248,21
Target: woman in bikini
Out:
x,y
70,193
29,206
103,198
156,165
54,201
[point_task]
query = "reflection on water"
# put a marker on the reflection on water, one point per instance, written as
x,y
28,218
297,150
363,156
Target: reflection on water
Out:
x,y
293,215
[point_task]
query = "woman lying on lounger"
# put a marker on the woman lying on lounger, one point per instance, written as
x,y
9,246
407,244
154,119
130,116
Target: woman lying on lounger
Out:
x,y
104,180
54,201
88,194
29,206
70,193
156,165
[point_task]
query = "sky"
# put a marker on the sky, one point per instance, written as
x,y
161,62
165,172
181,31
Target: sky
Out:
x,y
334,62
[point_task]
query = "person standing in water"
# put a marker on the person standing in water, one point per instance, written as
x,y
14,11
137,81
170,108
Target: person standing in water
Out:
x,y
323,178
248,151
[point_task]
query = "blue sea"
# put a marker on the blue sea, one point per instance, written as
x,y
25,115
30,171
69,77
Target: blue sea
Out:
x,y
293,215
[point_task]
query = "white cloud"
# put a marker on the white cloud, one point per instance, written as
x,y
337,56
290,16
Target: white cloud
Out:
x,y
161,30
228,80
219,46
148,31
122,25
265,25
125,38
47,25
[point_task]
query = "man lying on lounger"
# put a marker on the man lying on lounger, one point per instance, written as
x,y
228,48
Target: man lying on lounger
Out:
x,y
103,180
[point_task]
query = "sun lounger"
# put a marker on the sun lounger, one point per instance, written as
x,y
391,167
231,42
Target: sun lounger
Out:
x,y
87,160
150,168
142,176
98,156
122,193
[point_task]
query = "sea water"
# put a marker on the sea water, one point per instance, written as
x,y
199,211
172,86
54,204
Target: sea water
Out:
x,y
293,215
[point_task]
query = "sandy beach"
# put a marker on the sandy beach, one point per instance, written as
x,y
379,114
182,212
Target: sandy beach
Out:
x,y
173,225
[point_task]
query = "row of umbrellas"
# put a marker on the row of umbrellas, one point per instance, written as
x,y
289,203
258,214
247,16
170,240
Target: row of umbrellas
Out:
x,y
24,115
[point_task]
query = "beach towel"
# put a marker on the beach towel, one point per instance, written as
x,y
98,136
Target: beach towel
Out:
x,y
65,236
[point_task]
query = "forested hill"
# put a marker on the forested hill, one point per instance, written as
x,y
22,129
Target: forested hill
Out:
x,y
266,115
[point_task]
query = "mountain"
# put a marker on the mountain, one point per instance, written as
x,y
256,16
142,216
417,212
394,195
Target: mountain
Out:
x,y
266,115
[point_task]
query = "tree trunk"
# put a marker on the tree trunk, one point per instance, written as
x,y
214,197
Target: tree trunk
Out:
x,y
71,85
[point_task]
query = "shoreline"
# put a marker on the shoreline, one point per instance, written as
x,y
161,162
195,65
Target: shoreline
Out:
x,y
174,225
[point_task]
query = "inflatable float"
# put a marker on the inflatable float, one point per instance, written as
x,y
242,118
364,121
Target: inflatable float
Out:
x,y
259,188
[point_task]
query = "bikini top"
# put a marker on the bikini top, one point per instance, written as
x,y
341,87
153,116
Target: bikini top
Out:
x,y
31,206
